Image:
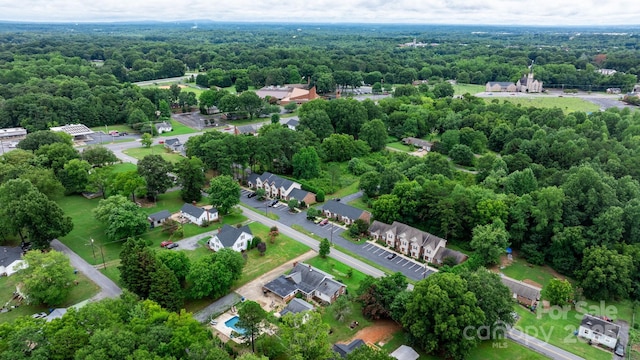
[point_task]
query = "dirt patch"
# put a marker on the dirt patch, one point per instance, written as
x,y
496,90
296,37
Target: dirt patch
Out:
x,y
532,283
380,332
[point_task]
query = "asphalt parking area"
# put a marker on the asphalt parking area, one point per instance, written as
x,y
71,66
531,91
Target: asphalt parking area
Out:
x,y
399,262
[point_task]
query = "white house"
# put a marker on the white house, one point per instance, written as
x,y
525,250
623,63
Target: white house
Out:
x,y
163,127
599,331
10,260
292,124
198,215
237,239
274,185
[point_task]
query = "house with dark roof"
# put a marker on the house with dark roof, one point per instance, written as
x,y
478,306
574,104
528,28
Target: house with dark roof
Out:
x,y
522,292
156,219
174,144
307,281
245,130
198,215
408,240
275,186
163,127
307,197
345,213
420,143
237,239
599,331
345,349
296,306
292,123
444,253
500,86
10,259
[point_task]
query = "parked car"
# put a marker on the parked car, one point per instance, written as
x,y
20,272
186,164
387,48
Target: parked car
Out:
x,y
273,203
166,243
39,315
251,195
317,220
324,222
619,349
391,256
172,245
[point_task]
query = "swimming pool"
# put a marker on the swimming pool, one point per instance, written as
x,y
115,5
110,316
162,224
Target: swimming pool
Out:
x,y
231,323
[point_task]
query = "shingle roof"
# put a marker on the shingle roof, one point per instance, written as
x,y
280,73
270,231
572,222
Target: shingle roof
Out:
x,y
228,235
298,194
252,178
304,278
293,122
521,289
346,349
192,210
341,209
247,129
9,254
296,306
172,142
501,83
281,286
160,215
276,180
444,253
407,232
600,326
163,124
405,352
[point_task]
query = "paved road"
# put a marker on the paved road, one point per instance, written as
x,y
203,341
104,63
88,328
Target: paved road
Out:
x,y
109,289
312,243
623,337
165,80
541,346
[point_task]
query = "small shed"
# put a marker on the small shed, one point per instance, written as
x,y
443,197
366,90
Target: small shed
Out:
x,y
157,219
405,352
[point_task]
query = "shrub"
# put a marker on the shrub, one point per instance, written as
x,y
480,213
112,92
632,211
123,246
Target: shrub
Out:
x,y
320,196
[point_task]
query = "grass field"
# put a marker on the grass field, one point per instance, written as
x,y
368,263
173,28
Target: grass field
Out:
x,y
567,104
398,145
520,269
277,254
141,152
123,167
360,204
557,329
461,89
83,291
119,128
178,129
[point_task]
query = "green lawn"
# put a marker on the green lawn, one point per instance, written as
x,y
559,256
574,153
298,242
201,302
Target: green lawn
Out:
x,y
123,167
557,329
141,152
398,145
83,291
178,129
461,89
352,188
567,104
520,269
503,350
277,254
339,271
360,204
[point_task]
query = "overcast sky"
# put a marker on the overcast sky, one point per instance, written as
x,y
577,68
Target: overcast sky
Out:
x,y
498,12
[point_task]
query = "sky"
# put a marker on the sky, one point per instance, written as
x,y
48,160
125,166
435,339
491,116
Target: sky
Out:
x,y
477,12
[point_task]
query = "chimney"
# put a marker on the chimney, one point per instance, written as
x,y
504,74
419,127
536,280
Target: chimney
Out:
x,y
312,93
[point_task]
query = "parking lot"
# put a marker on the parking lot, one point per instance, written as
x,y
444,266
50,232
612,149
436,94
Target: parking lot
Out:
x,y
397,260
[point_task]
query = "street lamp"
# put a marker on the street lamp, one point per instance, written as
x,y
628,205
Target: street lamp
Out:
x,y
104,265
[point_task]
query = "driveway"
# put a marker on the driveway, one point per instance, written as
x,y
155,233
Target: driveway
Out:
x,y
108,289
623,338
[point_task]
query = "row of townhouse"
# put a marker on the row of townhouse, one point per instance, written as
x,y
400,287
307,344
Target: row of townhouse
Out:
x,y
277,187
413,242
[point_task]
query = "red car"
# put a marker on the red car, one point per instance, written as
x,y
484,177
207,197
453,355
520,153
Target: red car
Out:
x,y
324,222
165,243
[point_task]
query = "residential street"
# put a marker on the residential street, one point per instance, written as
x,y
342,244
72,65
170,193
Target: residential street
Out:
x,y
541,346
109,289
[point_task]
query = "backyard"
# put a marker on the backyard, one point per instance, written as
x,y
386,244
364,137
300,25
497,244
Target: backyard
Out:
x,y
141,152
83,291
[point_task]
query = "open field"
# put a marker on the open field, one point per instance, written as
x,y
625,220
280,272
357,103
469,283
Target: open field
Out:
x,y
398,145
83,291
178,129
520,269
141,152
461,89
567,104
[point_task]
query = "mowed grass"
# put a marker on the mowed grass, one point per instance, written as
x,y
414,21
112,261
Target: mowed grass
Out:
x,y
398,145
461,89
178,129
557,329
141,152
123,167
339,271
503,350
567,104
284,249
108,128
521,270
83,291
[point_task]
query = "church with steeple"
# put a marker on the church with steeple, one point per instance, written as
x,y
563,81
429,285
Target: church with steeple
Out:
x,y
528,84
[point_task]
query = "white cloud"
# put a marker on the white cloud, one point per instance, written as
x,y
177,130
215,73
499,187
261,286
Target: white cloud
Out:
x,y
499,12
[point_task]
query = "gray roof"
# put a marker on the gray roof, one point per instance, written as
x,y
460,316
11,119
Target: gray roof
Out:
x,y
341,209
298,194
281,286
346,349
600,326
228,235
192,210
252,178
501,83
247,129
521,289
9,254
444,253
163,124
405,352
412,234
172,142
293,122
56,314
160,215
418,142
276,180
304,278
296,306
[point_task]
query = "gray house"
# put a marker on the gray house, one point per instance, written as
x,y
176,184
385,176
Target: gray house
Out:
x,y
346,349
174,144
308,281
345,213
296,306
157,219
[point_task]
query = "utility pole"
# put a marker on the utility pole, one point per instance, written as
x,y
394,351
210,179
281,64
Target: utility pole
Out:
x,y
94,250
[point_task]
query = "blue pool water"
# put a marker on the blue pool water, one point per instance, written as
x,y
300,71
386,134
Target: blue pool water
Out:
x,y
231,323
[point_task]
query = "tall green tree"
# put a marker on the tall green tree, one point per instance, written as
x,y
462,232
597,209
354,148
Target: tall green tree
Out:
x,y
75,176
35,140
252,318
325,248
191,178
250,102
137,268
124,219
490,241
494,298
558,292
147,140
440,309
605,274
99,156
128,183
306,336
317,121
306,163
374,132
177,262
155,170
224,193
46,277
165,288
